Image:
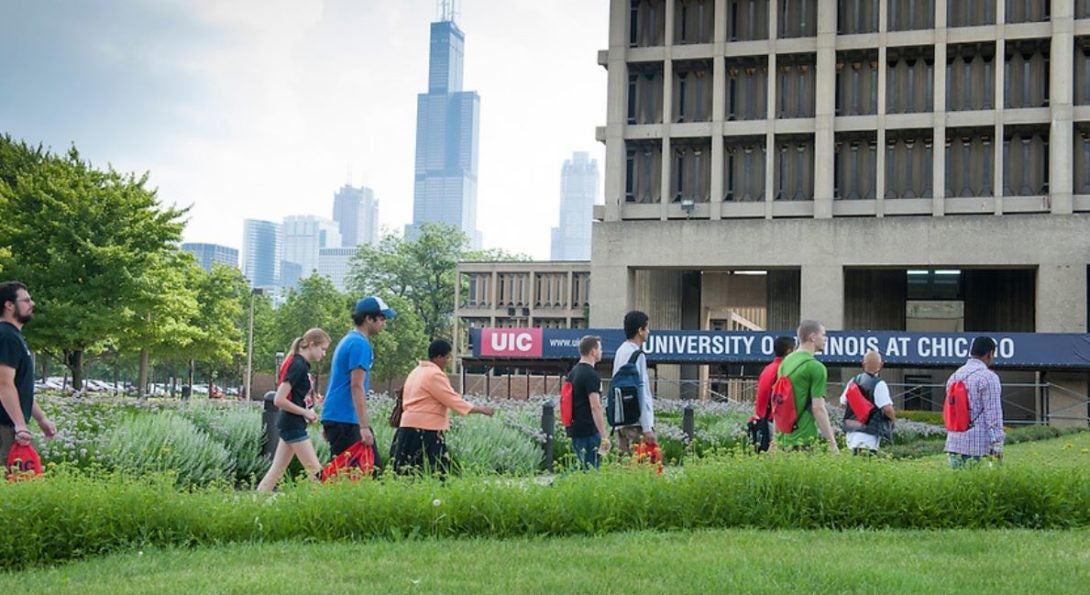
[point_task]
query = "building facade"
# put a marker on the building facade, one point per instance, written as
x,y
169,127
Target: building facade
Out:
x,y
355,211
262,249
447,122
304,236
209,254
579,182
334,264
873,164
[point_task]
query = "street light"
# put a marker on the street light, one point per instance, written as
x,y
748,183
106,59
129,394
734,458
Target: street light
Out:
x,y
256,291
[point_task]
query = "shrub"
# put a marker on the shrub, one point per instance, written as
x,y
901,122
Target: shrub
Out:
x,y
167,443
65,515
928,417
481,444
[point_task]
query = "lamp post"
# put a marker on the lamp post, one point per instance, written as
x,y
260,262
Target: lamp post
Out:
x,y
256,291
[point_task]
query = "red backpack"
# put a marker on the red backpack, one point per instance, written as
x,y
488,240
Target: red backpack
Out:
x,y
784,414
355,463
955,410
861,407
566,403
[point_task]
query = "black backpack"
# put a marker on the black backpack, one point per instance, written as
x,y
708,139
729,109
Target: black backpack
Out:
x,y
623,403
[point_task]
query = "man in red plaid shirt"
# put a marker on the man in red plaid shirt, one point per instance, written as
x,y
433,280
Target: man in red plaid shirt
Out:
x,y
985,434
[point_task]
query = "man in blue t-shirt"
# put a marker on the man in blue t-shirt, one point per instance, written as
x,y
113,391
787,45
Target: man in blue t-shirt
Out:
x,y
344,414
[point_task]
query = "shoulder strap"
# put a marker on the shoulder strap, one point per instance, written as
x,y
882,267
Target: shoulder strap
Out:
x,y
972,420
635,356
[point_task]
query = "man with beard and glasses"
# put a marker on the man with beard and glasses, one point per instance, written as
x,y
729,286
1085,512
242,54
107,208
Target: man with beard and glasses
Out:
x,y
17,372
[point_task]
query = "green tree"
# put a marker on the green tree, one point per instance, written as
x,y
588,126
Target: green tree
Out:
x,y
89,244
400,346
316,303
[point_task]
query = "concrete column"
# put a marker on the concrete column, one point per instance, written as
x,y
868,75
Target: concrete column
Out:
x,y
825,109
770,134
998,94
616,111
1061,100
880,138
822,294
938,152
1061,308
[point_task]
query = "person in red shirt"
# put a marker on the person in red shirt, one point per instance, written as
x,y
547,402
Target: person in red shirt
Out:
x,y
760,432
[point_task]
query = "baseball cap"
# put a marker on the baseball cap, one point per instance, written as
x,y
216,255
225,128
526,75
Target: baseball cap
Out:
x,y
373,305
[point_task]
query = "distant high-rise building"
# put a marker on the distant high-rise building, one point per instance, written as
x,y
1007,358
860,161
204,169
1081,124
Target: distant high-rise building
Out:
x,y
356,212
447,119
578,191
291,273
333,264
209,254
304,236
261,254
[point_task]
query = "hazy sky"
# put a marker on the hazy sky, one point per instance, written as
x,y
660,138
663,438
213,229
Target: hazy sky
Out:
x,y
261,108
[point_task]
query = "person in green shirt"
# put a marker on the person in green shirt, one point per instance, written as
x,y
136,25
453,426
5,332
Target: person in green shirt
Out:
x,y
808,379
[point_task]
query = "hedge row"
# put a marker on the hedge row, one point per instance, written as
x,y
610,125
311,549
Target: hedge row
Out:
x,y
70,515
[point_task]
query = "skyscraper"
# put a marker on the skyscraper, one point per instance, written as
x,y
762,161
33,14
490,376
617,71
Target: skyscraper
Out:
x,y
304,236
209,254
578,190
261,253
447,119
356,212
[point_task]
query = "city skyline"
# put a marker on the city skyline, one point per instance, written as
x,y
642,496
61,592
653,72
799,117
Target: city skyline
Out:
x,y
244,110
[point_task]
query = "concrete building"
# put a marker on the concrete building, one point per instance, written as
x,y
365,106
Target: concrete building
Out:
x,y
356,212
873,164
209,254
304,236
578,191
333,264
447,122
262,249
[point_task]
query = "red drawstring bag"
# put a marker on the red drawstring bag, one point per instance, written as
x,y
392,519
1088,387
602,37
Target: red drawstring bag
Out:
x,y
650,453
355,463
566,403
861,407
23,463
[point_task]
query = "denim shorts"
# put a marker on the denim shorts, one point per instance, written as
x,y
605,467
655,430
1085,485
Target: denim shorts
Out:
x,y
293,436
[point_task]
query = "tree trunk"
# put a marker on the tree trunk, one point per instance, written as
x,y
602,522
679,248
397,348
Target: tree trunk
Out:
x,y
142,375
74,361
192,371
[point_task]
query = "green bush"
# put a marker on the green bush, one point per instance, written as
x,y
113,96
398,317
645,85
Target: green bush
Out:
x,y
66,515
480,444
927,417
167,443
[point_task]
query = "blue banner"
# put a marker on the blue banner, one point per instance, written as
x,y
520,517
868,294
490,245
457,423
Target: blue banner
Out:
x,y
898,348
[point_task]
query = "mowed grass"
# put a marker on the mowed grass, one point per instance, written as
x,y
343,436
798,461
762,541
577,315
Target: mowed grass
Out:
x,y
714,561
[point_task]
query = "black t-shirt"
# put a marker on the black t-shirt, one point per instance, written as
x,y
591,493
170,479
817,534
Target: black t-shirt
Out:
x,y
584,382
15,354
298,376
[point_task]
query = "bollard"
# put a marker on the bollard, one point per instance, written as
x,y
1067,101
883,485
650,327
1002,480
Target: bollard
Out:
x,y
687,424
548,426
268,419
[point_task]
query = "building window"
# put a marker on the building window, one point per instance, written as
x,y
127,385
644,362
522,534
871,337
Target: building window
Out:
x,y
856,16
969,159
692,91
694,21
855,166
1082,9
794,167
1026,73
580,292
744,169
970,13
910,15
645,93
747,20
909,164
857,83
798,18
796,85
747,88
643,171
691,175
550,290
646,23
1025,161
477,293
1028,11
1082,70
910,80
970,77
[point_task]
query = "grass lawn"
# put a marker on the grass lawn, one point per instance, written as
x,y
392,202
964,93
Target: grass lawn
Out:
x,y
694,562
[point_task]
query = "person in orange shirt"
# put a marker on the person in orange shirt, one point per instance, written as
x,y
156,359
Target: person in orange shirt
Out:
x,y
427,399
